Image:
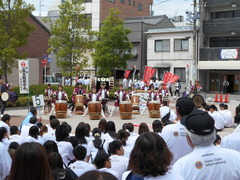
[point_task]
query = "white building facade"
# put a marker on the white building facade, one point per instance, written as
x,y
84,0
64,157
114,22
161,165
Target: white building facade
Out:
x,y
171,50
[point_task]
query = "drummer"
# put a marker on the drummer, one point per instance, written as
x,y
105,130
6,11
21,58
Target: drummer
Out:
x,y
145,87
163,91
60,95
152,96
93,97
103,97
120,95
3,88
48,99
132,92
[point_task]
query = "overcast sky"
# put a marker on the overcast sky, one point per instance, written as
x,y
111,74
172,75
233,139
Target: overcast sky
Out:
x,y
169,7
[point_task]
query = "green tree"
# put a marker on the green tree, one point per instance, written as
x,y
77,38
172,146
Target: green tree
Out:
x,y
72,38
14,31
113,48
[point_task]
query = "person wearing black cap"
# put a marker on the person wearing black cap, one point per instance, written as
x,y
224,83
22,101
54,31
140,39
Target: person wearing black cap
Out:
x,y
218,118
174,134
206,161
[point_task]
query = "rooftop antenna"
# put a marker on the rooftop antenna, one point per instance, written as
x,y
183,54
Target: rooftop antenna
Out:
x,y
40,7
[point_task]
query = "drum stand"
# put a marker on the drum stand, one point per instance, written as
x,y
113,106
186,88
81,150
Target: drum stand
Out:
x,y
79,109
136,107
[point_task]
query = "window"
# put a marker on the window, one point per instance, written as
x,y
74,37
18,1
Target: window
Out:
x,y
181,45
129,2
113,1
140,6
87,0
162,45
88,20
181,72
225,14
232,41
133,3
122,1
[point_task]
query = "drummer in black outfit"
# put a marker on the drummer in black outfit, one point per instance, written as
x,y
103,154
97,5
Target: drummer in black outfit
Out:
x,y
3,88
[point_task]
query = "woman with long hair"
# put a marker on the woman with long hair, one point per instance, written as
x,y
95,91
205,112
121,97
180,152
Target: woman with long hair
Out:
x,y
30,162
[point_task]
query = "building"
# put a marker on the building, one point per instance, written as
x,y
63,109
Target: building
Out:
x,y
139,26
220,45
171,49
36,47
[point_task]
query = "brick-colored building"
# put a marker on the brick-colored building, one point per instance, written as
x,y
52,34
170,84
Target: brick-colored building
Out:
x,y
36,46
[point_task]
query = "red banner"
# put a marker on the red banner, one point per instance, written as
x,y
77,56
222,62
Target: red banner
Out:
x,y
127,74
147,74
169,78
153,72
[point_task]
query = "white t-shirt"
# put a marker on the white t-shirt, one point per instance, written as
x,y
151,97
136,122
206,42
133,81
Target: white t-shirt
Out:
x,y
91,150
175,137
119,164
59,95
219,121
94,97
31,139
80,167
164,110
5,162
209,162
231,141
130,144
16,138
167,176
65,149
227,116
50,135
114,173
103,94
6,126
141,84
25,129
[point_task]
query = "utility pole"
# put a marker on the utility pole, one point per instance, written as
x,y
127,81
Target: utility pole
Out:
x,y
195,39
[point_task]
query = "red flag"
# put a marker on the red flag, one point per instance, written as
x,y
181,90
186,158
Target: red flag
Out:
x,y
166,77
147,74
173,79
127,74
152,72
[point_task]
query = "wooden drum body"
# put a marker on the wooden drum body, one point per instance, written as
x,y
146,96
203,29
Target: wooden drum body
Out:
x,y
79,104
61,109
153,108
94,109
135,103
125,108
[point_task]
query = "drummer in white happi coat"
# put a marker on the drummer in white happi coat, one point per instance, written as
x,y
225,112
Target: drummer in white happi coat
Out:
x,y
93,97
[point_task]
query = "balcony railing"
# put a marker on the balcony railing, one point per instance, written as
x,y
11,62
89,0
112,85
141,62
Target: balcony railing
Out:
x,y
215,3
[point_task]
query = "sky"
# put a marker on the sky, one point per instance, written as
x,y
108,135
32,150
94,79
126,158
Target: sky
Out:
x,y
169,7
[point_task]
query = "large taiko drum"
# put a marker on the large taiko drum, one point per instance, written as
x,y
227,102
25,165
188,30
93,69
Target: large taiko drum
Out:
x,y
153,108
79,100
125,108
94,109
135,101
61,109
9,96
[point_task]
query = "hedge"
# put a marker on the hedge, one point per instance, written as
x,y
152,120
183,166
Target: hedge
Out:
x,y
39,89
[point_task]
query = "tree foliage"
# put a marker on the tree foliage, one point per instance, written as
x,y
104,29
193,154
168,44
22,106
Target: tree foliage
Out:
x,y
14,30
113,48
72,38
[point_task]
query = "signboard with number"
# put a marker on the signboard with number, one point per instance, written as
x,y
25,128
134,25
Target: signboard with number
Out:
x,y
23,69
38,100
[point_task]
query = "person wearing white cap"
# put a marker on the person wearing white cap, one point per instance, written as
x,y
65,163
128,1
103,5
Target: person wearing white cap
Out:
x,y
174,134
206,161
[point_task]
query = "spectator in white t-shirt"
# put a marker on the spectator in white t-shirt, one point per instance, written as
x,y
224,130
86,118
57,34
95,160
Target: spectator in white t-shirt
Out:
x,y
50,135
174,134
25,128
103,164
150,159
227,116
33,136
5,122
219,121
157,127
165,109
64,148
80,166
15,135
119,163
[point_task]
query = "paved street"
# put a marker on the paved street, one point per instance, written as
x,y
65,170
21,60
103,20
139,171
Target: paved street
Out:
x,y
18,115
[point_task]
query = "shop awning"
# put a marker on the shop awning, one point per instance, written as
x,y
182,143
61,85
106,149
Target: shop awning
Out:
x,y
225,65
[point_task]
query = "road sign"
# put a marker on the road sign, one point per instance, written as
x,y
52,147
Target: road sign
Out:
x,y
44,62
49,60
38,100
44,56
